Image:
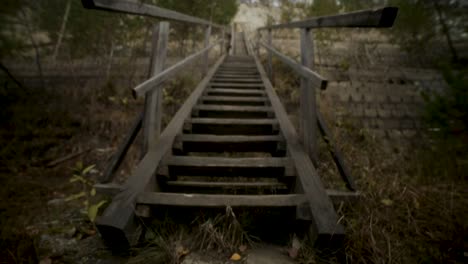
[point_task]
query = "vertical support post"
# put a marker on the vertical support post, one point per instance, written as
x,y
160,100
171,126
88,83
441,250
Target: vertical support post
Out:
x,y
223,41
257,44
153,99
269,57
308,129
233,39
207,43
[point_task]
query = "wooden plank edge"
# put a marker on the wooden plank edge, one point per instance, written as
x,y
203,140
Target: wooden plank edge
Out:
x,y
137,8
153,82
377,18
325,219
305,72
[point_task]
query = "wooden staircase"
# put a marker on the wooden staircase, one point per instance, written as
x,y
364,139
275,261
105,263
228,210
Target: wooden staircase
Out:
x,y
231,151
231,143
233,146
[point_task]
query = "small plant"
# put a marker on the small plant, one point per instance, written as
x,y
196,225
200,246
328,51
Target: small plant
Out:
x,y
88,191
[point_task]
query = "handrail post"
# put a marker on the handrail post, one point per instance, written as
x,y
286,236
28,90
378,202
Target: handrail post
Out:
x,y
233,40
223,41
308,128
207,43
257,45
269,57
153,99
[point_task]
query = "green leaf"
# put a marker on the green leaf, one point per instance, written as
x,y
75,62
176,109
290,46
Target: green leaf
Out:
x,y
386,202
93,210
75,196
76,178
88,169
93,192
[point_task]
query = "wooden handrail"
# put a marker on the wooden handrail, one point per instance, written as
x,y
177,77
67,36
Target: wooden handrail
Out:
x,y
379,18
136,8
117,224
154,81
303,71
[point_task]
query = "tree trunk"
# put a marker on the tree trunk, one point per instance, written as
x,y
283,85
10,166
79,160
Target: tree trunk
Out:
x,y
36,48
62,30
446,31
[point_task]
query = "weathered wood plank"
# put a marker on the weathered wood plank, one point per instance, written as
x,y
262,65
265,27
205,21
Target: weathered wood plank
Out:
x,y
217,79
237,85
228,139
153,82
153,99
336,153
230,184
221,143
324,216
235,98
232,111
118,225
308,124
233,108
382,17
196,161
207,43
316,79
236,75
221,200
335,195
138,8
234,92
123,149
233,121
269,64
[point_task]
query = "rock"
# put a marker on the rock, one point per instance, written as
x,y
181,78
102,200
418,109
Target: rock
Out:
x,y
203,258
56,202
194,259
268,255
56,246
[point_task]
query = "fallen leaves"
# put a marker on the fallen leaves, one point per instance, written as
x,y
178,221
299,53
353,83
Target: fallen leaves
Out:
x,y
236,257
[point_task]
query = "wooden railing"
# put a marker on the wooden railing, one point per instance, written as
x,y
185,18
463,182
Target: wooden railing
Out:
x,y
117,225
150,120
310,118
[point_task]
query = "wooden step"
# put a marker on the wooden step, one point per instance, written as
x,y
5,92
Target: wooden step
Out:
x,y
226,187
237,68
232,111
231,126
237,71
238,65
237,85
214,143
234,92
336,196
234,100
236,75
235,80
235,167
220,200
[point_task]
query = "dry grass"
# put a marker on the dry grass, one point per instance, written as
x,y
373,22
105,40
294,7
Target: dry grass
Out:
x,y
171,241
414,196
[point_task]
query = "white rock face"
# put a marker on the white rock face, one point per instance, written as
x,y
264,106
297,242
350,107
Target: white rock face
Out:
x,y
251,17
